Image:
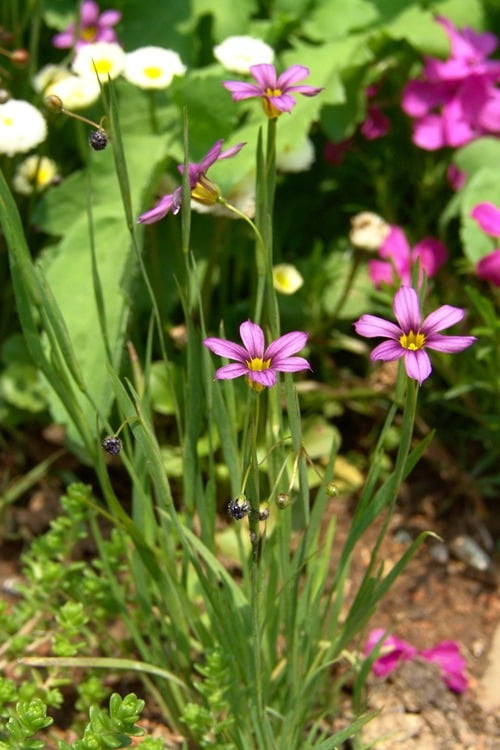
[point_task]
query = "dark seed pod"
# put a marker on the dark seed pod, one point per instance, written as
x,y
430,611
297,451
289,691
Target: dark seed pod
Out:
x,y
112,445
238,508
98,140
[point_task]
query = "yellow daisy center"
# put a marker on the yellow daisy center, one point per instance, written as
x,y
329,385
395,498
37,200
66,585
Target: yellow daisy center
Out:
x,y
103,66
412,341
89,33
257,363
152,71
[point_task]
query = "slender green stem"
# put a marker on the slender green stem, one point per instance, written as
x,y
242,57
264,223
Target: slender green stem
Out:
x,y
355,265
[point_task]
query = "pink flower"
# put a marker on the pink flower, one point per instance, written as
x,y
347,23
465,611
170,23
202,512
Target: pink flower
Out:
x,y
93,27
488,217
446,654
456,177
376,124
456,100
399,258
258,363
275,91
412,335
203,190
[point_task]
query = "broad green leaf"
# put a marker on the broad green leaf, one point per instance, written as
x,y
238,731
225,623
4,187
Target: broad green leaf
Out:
x,y
483,186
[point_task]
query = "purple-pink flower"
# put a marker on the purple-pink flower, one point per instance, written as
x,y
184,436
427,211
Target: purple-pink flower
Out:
x,y
456,100
256,361
203,189
399,258
93,27
394,650
488,217
376,123
275,91
412,335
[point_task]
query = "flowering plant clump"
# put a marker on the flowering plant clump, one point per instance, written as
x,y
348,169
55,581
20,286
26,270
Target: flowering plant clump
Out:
x,y
394,650
256,361
456,100
488,217
412,335
399,258
202,189
92,27
239,53
275,91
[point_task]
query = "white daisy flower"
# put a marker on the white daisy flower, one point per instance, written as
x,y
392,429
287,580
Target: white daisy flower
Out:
x,y
296,157
34,174
368,230
100,58
238,53
75,92
22,127
47,75
286,278
153,67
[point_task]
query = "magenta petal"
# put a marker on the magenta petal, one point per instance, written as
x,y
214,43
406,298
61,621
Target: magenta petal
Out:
x,y
283,103
444,317
292,75
449,344
396,247
229,372
407,309
488,268
372,326
231,151
252,336
419,97
265,75
110,18
266,378
161,209
387,351
393,650
432,254
224,348
290,343
428,132
89,14
291,364
381,272
488,217
418,365
242,90
447,655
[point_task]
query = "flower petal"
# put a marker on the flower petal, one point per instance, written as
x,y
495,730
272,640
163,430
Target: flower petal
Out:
x,y
372,326
447,655
284,103
449,344
407,309
266,378
265,75
387,351
167,203
252,336
228,372
291,364
241,90
291,75
210,157
444,317
290,343
488,217
224,348
418,365
488,267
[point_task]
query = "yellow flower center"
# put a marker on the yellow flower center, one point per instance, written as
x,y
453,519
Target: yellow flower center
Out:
x,y
257,364
412,341
88,34
269,109
205,191
103,66
152,71
8,121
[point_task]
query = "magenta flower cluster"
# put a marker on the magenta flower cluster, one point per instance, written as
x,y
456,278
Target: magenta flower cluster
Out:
x,y
394,651
93,26
488,217
456,100
258,363
398,258
202,189
412,335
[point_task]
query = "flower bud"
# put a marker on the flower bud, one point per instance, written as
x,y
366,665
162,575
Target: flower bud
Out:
x,y
368,230
54,103
20,57
112,445
283,500
263,511
239,508
98,140
331,489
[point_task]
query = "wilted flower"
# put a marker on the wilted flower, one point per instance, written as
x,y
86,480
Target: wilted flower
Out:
x,y
399,258
368,230
274,90
153,67
286,278
488,217
93,27
202,189
22,127
296,157
412,335
100,59
34,174
394,650
258,363
239,53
